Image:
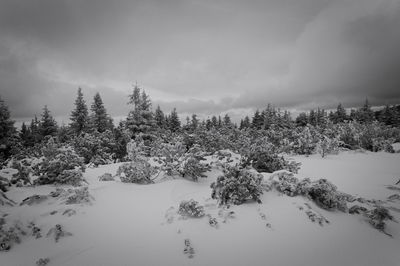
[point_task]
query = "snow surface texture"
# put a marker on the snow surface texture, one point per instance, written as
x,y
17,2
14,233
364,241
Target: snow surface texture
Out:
x,y
115,223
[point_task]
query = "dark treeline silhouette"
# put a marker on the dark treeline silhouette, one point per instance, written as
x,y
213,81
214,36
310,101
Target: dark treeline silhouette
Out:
x,y
91,130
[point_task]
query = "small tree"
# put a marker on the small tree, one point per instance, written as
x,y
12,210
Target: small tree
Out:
x,y
236,186
79,116
47,125
174,122
99,119
7,131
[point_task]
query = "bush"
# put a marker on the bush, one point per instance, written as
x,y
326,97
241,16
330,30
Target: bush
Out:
x,y
138,172
378,216
322,192
236,186
191,208
325,194
106,177
65,168
96,148
269,162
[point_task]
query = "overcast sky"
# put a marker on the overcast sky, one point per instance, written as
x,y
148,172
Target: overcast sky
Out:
x,y
202,57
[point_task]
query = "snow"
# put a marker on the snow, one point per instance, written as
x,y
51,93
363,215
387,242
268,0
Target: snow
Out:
x,y
126,224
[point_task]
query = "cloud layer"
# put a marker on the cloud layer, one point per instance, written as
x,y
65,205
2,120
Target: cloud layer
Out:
x,y
202,57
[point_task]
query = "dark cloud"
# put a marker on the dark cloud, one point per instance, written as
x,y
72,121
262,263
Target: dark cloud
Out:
x,y
199,56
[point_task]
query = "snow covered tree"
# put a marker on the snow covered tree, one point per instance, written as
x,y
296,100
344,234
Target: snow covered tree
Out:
x,y
236,186
365,113
302,120
258,120
7,131
174,122
99,119
47,125
340,114
159,117
194,122
245,123
227,121
79,116
140,118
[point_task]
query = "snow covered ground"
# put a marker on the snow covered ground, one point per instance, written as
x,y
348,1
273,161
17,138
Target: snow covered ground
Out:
x,y
128,224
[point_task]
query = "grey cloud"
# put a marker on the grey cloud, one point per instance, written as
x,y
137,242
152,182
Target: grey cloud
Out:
x,y
199,56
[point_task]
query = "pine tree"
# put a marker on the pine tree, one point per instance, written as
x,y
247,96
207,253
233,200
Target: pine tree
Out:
x,y
312,118
258,120
99,119
174,122
7,131
227,121
35,133
25,135
245,123
79,116
140,118
302,120
214,121
47,125
159,117
340,115
194,122
365,113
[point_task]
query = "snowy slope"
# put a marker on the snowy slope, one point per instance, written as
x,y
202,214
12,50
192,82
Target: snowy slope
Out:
x,y
130,224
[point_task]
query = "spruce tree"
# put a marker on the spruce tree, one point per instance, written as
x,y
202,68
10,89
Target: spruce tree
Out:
x,y
159,117
7,131
47,125
25,135
99,119
140,119
214,121
174,122
194,122
302,120
365,113
79,116
227,121
340,115
258,120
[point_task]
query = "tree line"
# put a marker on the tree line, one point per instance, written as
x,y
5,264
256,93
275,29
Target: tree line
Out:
x,y
94,124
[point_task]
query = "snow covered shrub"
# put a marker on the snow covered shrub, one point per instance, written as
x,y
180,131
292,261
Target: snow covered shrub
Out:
x,y
381,144
285,182
174,160
136,148
23,175
325,194
267,162
169,155
305,140
73,177
106,177
78,196
9,237
191,166
262,157
322,192
327,145
96,148
42,262
53,170
58,232
236,186
191,208
378,216
138,172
